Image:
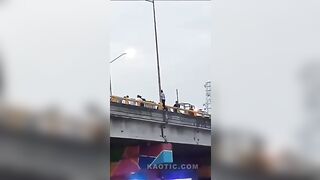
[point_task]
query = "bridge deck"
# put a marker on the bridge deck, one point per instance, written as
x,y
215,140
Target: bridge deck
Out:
x,y
134,122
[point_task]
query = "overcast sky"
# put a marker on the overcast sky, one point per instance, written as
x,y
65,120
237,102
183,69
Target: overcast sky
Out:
x,y
260,49
184,35
57,52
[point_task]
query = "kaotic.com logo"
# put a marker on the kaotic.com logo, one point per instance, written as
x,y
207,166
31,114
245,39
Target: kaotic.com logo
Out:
x,y
173,166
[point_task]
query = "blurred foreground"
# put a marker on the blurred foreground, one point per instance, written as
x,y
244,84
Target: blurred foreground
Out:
x,y
249,153
241,155
50,145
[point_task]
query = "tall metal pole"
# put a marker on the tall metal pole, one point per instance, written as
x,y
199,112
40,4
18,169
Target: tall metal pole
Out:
x,y
157,48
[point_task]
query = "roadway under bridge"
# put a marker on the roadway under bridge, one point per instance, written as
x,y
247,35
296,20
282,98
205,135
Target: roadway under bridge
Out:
x,y
141,123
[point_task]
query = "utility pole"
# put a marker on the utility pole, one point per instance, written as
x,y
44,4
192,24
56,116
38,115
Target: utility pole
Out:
x,y
130,53
207,104
156,43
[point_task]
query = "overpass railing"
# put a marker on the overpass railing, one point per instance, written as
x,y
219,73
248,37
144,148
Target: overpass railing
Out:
x,y
158,106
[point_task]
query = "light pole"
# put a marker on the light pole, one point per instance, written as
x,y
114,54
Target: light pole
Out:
x,y
118,57
130,53
156,42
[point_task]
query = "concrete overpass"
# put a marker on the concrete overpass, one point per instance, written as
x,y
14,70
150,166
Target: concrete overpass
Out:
x,y
141,123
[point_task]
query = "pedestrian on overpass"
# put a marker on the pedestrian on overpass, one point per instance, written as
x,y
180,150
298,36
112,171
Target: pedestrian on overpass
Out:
x,y
176,105
140,100
163,99
125,100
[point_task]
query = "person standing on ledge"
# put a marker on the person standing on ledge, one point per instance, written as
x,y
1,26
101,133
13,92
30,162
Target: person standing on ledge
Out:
x,y
163,100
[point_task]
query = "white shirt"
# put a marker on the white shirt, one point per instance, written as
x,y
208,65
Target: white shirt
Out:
x,y
162,96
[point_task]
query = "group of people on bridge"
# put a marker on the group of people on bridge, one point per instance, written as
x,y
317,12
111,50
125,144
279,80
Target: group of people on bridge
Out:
x,y
142,101
182,108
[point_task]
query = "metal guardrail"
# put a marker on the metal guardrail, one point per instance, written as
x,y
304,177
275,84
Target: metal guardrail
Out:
x,y
158,106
